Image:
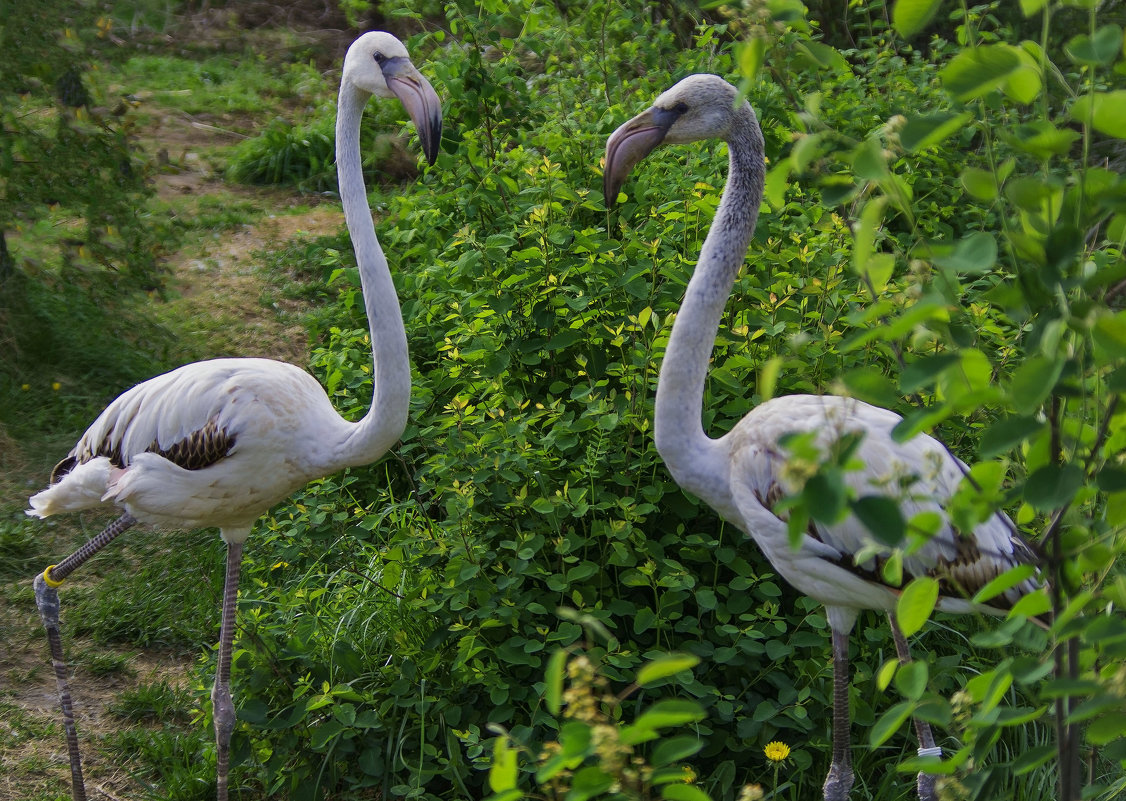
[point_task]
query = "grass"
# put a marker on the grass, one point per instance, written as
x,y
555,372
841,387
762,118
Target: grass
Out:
x,y
157,702
103,663
21,549
169,763
155,591
220,83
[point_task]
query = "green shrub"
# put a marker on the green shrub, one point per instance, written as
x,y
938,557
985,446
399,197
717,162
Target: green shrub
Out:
x,y
400,611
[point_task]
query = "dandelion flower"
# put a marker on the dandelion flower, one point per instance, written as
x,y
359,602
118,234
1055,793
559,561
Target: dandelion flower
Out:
x,y
25,387
56,386
776,751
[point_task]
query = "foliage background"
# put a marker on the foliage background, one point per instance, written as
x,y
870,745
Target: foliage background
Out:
x,y
941,236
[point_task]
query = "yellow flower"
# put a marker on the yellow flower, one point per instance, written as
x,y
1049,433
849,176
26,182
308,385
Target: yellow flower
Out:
x,y
25,387
56,386
776,751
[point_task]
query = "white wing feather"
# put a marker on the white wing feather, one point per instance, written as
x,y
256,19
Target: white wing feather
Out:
x,y
271,430
919,474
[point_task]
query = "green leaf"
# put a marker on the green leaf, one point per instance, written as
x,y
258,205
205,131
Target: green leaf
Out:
x,y
1052,486
768,376
502,774
1030,7
1006,581
751,55
881,266
916,604
1033,382
683,792
911,680
877,267
825,495
323,733
1106,729
664,666
976,72
1109,333
1032,605
589,782
670,712
1097,50
1025,83
818,55
889,723
553,679
345,713
974,374
1032,758
777,181
882,517
868,160
911,16
870,384
675,749
1105,111
1006,434
972,255
925,371
644,620
886,674
1111,479
1019,715
979,184
574,739
928,130
1040,139
543,506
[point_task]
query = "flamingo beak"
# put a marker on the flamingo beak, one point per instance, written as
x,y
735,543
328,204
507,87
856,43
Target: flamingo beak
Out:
x,y
630,144
419,99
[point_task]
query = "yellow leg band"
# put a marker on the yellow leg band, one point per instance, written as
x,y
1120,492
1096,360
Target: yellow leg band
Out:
x,y
50,581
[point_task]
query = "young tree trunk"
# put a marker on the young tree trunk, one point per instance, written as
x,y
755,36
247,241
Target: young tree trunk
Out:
x,y
7,263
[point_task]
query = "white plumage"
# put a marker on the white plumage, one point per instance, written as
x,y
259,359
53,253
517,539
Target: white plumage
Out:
x,y
213,443
217,443
744,473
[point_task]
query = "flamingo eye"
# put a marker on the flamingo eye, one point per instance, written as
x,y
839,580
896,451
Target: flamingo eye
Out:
x,y
379,58
680,107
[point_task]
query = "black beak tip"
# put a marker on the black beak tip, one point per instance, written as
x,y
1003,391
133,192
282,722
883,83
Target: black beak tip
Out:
x,y
433,142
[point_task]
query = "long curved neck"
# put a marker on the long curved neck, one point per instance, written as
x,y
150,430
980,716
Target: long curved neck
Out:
x,y
691,456
387,417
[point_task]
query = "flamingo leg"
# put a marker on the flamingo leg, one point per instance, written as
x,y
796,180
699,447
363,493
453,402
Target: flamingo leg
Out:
x,y
47,599
223,708
839,781
926,781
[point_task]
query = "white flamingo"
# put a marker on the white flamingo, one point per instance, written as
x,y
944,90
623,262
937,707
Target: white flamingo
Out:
x,y
217,443
743,474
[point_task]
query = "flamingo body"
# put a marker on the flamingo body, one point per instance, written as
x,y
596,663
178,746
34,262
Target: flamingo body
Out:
x,y
217,443
743,474
919,475
213,443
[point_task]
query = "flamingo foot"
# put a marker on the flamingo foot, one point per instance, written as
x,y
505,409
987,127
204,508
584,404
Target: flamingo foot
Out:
x,y
47,599
838,783
223,711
